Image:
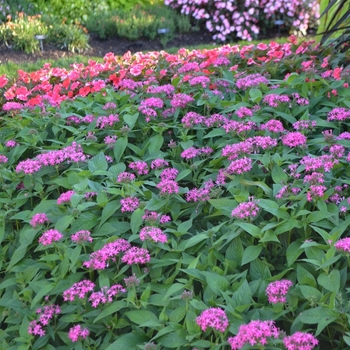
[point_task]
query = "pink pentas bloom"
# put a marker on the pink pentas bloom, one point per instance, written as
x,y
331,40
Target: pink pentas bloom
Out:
x,y
294,139
110,140
201,80
36,328
300,341
322,163
246,210
181,100
65,197
125,177
190,153
103,122
153,217
240,166
213,317
154,234
159,163
99,259
11,144
343,245
169,174
339,114
191,119
243,112
337,151
254,333
29,166
132,281
315,192
140,167
4,159
304,125
81,237
79,289
314,179
277,291
105,295
39,219
129,204
77,333
136,255
274,100
273,125
251,80
167,187
152,102
50,236
47,312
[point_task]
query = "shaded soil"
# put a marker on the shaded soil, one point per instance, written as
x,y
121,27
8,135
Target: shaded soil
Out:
x,y
100,47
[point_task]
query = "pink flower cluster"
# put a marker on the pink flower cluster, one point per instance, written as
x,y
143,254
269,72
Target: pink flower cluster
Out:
x,y
81,237
50,236
73,153
273,125
129,204
125,177
193,152
78,332
343,245
153,217
213,318
79,289
140,167
300,341
99,259
105,295
200,194
294,139
277,291
136,255
39,219
254,333
251,80
46,313
65,197
154,234
168,185
246,210
103,121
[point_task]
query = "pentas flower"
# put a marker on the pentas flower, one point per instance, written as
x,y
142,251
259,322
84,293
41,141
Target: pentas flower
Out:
x,y
129,204
337,151
300,341
163,89
105,295
167,187
65,197
201,80
273,125
104,121
3,159
343,245
153,217
344,136
215,120
159,163
36,328
181,100
132,281
190,153
240,166
154,234
300,100
338,114
89,195
243,112
110,140
246,210
81,237
79,289
274,100
99,259
136,255
109,105
251,80
169,174
140,167
50,236
11,144
304,125
315,192
47,312
125,177
28,166
78,333
264,142
191,119
213,318
255,333
277,291
322,163
294,139
238,128
39,219
200,194
238,149
314,178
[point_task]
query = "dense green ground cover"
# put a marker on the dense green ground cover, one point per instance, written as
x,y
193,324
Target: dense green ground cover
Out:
x,y
195,200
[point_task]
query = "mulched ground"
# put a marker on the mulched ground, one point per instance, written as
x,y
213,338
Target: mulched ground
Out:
x,y
100,47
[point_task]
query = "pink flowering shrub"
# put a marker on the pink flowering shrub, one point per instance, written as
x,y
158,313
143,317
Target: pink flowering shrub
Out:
x,y
246,19
196,200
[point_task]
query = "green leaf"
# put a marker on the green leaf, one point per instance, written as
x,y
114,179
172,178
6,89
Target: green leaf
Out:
x,y
178,314
109,210
140,316
155,143
174,288
310,292
278,175
185,226
216,282
131,119
321,316
174,339
136,220
293,253
119,148
251,253
128,341
98,162
330,282
42,292
250,228
255,95
111,309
